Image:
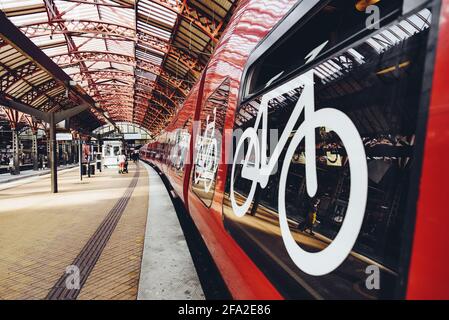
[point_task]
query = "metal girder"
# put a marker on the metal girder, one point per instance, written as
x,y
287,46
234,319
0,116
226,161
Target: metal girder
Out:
x,y
194,65
53,16
103,74
116,99
75,27
14,116
17,74
65,114
128,88
141,81
106,94
177,83
20,74
150,96
38,91
110,31
17,109
149,124
156,119
149,107
156,105
105,4
33,123
13,35
144,100
152,42
161,45
113,87
165,97
210,27
74,58
163,105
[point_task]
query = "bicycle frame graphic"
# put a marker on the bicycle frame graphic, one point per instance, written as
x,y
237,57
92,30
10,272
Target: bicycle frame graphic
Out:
x,y
261,168
206,162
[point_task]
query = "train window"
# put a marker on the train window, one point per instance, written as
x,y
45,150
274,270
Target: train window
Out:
x,y
208,143
336,22
312,192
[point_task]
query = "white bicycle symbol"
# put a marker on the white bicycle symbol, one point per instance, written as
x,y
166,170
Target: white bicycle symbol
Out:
x,y
260,168
206,162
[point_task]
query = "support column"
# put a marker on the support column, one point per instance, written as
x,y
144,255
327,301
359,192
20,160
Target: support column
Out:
x,y
15,152
53,154
34,151
64,152
80,157
69,152
47,141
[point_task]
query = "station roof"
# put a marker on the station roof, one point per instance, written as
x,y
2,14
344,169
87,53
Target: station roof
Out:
x,y
138,59
31,82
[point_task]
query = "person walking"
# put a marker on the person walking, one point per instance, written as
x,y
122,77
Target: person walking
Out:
x,y
121,162
311,217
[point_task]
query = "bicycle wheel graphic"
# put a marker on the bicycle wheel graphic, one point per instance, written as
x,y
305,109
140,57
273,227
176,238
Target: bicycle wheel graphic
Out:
x,y
330,258
253,148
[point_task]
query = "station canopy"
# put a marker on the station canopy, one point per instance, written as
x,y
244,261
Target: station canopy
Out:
x,y
137,59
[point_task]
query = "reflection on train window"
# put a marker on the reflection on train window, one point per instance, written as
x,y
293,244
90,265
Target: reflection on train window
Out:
x,y
377,84
179,141
207,150
336,22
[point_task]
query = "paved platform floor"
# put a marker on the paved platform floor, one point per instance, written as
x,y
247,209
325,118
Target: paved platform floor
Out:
x,y
90,223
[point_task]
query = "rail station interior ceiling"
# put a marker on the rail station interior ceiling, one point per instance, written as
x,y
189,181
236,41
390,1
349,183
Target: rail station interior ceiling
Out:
x,y
137,59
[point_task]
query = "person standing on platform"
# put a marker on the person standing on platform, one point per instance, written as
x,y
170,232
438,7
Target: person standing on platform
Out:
x,y
11,165
311,217
121,162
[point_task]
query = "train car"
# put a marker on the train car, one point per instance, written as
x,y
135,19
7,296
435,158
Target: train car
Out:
x,y
310,152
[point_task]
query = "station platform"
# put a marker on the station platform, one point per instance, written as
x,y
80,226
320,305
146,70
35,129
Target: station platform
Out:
x,y
7,177
99,238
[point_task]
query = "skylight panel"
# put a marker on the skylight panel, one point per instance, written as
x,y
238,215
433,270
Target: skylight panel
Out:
x,y
149,57
27,19
155,31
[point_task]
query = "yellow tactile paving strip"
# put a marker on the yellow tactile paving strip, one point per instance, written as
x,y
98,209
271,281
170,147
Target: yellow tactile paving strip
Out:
x,y
116,274
41,234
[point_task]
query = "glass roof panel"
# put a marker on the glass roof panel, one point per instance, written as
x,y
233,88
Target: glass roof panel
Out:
x,y
103,42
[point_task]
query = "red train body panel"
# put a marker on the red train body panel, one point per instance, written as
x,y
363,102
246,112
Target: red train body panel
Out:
x,y
247,253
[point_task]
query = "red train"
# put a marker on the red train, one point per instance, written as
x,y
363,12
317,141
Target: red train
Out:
x,y
311,152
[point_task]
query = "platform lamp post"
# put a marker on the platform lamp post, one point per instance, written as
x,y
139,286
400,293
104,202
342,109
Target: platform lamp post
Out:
x,y
14,117
34,128
89,158
80,155
53,154
15,151
34,149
